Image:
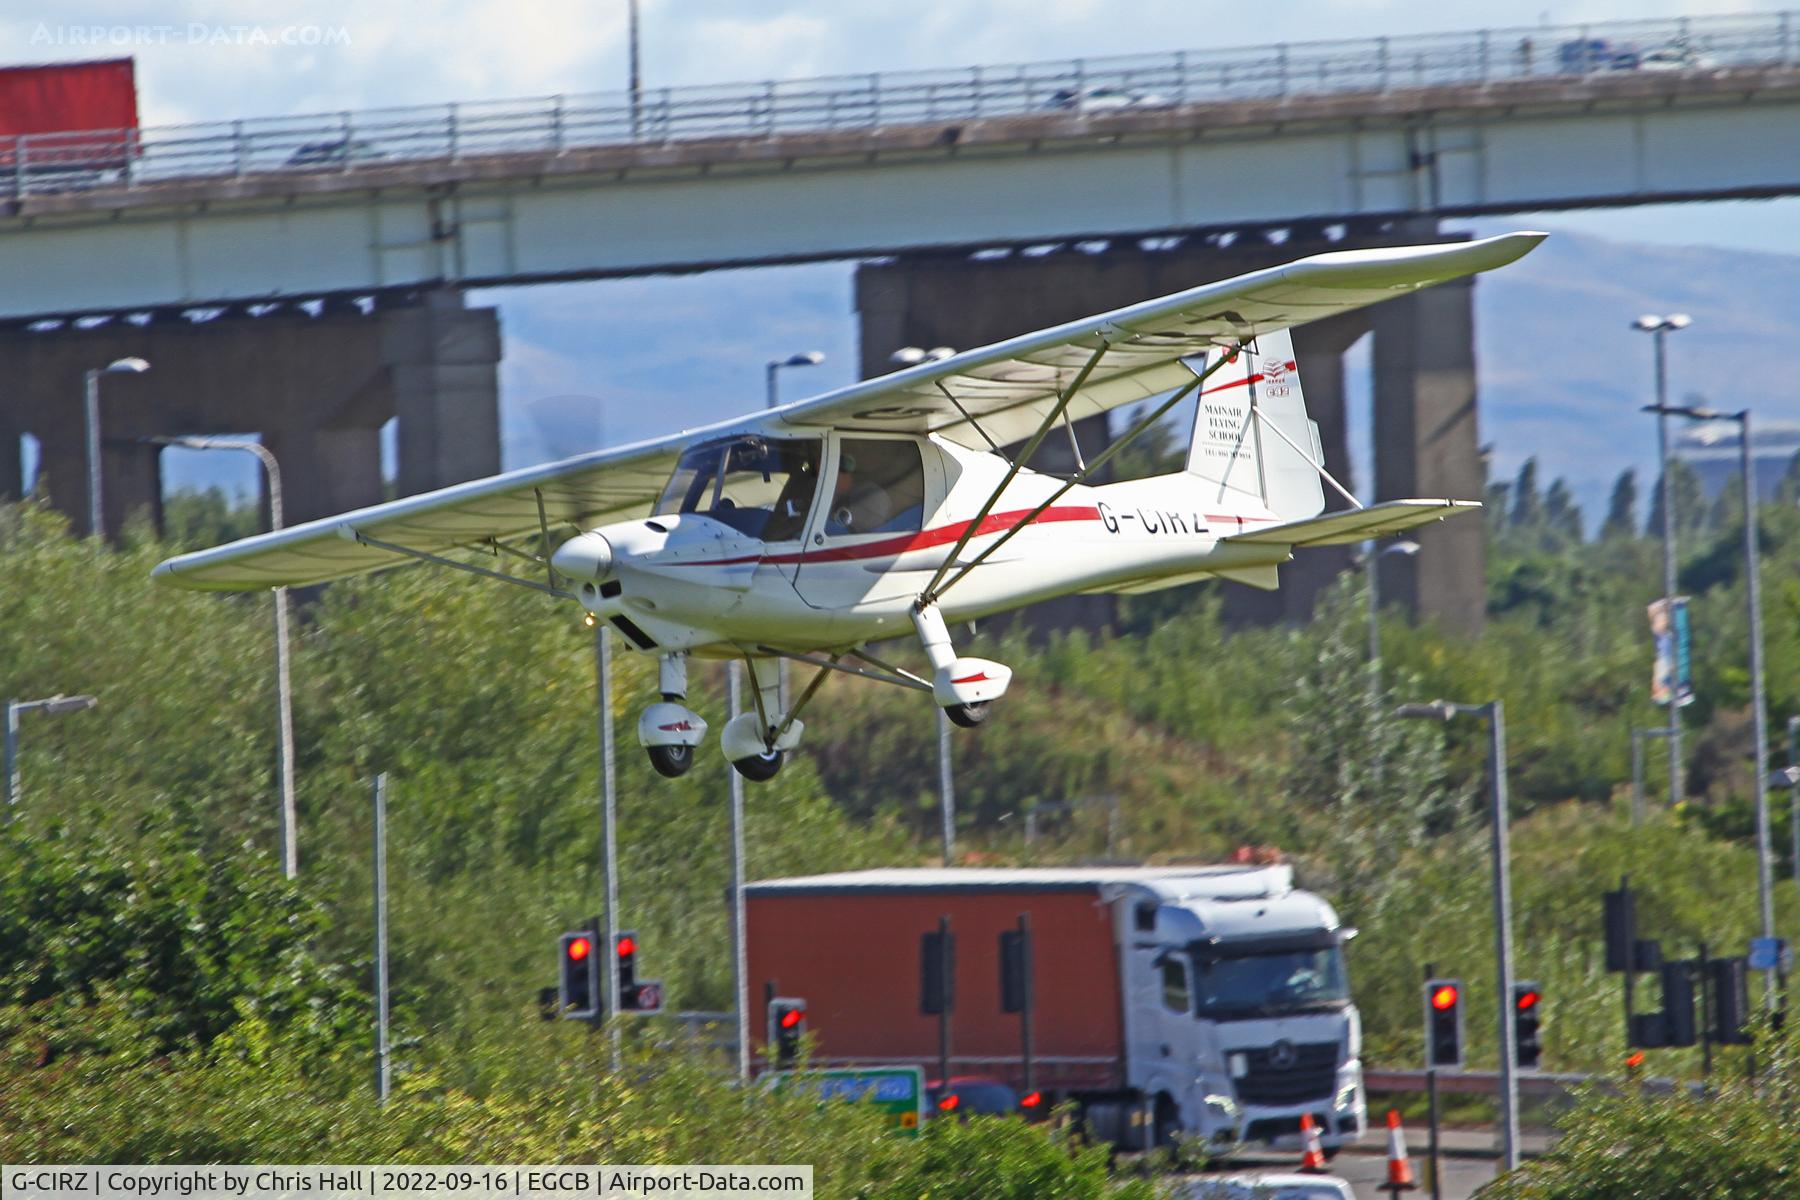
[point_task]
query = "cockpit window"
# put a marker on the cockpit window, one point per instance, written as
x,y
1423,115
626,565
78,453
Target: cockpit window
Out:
x,y
880,487
759,486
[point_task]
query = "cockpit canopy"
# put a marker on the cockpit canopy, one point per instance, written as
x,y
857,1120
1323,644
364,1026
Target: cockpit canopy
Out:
x,y
762,487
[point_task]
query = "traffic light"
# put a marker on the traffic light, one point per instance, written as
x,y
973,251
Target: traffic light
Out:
x,y
578,977
937,972
1015,970
787,1026
1527,1000
1443,1023
1678,1004
1730,981
625,955
1620,927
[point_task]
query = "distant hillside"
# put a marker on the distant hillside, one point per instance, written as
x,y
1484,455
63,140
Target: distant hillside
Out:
x,y
1562,374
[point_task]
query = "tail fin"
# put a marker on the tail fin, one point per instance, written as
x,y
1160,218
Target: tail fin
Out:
x,y
1239,450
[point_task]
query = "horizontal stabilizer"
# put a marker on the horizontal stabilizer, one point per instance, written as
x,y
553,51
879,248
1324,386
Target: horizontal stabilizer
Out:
x,y
1354,525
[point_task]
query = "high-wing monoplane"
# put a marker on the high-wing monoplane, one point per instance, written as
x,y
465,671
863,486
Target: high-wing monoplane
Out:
x,y
903,506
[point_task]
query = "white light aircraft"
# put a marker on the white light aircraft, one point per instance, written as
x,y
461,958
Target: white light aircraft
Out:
x,y
892,508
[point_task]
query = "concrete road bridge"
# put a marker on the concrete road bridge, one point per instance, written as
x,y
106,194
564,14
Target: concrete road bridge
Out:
x,y
1188,165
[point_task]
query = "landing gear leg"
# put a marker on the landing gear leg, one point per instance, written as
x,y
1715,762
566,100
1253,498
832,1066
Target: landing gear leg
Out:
x,y
669,731
963,687
756,742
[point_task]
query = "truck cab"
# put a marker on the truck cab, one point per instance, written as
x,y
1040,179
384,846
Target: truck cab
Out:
x,y
1237,1009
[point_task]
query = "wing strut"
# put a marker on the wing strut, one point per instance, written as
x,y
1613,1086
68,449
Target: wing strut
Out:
x,y
1079,477
363,539
930,594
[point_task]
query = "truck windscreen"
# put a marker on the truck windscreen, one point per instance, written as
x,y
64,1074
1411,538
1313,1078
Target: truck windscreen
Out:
x,y
1269,984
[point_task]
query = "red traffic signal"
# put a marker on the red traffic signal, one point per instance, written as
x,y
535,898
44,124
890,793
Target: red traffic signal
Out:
x,y
949,1102
627,945
791,1018
1443,997
577,948
1527,999
1031,1099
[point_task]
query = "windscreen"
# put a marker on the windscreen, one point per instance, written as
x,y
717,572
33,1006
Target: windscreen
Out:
x,y
762,487
1269,984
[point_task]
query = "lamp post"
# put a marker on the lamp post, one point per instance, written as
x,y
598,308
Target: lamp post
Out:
x,y
1758,707
1638,737
55,706
1793,732
284,699
811,358
1370,561
912,356
120,366
1494,713
1659,328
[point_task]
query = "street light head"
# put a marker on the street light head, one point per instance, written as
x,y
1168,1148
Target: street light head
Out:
x,y
1678,321
1437,710
56,705
939,353
811,358
127,366
1784,779
1651,323
1647,322
907,356
1404,546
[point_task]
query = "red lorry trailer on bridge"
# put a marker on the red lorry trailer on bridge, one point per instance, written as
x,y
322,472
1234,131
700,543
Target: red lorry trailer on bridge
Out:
x,y
1210,1001
79,116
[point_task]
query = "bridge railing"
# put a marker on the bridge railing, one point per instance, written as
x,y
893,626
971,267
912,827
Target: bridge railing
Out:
x,y
355,141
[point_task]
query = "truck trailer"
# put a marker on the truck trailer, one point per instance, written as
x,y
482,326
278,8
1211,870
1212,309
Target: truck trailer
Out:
x,y
1210,1002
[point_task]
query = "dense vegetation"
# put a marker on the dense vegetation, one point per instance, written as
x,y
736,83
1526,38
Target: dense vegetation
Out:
x,y
168,996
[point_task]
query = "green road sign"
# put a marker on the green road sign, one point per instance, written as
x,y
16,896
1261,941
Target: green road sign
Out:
x,y
897,1091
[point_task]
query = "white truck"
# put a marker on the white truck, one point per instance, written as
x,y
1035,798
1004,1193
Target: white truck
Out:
x,y
1206,1001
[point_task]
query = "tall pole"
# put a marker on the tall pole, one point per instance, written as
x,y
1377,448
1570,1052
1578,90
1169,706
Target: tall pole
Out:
x,y
1793,732
1668,548
609,849
1759,708
740,973
1374,586
284,690
946,788
381,941
636,80
12,757
1495,711
92,422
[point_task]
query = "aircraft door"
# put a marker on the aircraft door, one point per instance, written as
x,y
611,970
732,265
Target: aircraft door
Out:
x,y
872,508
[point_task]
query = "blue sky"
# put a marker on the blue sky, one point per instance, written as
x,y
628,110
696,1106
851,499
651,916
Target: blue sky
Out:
x,y
592,353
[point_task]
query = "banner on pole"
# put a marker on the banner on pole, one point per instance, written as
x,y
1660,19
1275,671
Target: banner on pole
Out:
x,y
1672,675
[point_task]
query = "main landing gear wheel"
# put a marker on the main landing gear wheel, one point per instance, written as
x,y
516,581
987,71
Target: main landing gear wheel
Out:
x,y
671,762
969,715
759,768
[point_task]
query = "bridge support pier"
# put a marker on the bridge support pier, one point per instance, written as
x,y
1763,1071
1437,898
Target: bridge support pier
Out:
x,y
1424,367
317,382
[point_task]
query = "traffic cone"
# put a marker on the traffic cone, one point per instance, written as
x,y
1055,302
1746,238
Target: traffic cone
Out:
x,y
1400,1172
1313,1159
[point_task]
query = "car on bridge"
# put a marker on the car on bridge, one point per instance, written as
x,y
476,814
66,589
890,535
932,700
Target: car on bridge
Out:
x,y
1271,1185
339,152
1102,98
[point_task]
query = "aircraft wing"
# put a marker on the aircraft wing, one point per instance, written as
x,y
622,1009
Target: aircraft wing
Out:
x,y
588,490
1009,386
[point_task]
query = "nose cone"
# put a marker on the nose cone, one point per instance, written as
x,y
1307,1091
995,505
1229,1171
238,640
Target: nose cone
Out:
x,y
586,557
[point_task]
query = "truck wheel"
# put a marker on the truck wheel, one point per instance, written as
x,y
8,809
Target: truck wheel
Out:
x,y
672,762
969,715
759,768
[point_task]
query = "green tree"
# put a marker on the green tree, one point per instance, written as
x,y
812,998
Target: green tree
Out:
x,y
1621,508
